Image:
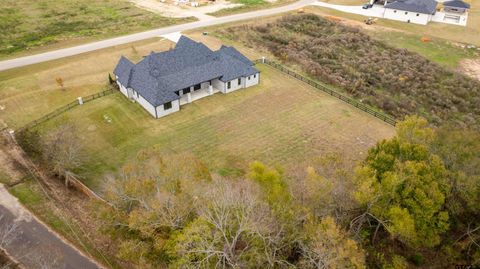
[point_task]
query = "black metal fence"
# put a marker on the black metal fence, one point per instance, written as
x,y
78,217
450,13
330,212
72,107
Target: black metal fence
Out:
x,y
386,118
66,108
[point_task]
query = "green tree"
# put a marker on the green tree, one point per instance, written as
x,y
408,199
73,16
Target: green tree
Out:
x,y
404,187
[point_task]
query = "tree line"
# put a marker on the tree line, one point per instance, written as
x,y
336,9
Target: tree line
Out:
x,y
415,196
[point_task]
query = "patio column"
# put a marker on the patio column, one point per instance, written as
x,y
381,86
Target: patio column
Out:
x,y
189,97
210,89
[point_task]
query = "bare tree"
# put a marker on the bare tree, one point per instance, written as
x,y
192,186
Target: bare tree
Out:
x,y
60,83
62,149
234,228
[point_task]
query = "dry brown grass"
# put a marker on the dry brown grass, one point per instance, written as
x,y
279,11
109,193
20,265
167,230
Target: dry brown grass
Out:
x,y
30,92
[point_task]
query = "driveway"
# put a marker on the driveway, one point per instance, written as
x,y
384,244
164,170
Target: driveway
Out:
x,y
375,11
57,54
33,244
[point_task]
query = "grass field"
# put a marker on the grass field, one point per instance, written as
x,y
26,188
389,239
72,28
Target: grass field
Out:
x,y
30,24
28,93
279,122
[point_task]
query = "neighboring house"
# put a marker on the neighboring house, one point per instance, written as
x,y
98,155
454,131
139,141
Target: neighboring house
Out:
x,y
423,11
454,12
164,81
414,11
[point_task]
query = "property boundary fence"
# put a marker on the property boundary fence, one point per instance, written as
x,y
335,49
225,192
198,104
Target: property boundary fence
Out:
x,y
386,118
66,108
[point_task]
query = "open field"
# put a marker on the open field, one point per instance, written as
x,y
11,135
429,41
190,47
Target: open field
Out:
x,y
30,24
281,121
30,92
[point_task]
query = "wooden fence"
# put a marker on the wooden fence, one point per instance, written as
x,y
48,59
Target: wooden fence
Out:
x,y
386,118
66,108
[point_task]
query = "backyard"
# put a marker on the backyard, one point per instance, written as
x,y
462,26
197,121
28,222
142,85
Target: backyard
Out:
x,y
28,25
281,121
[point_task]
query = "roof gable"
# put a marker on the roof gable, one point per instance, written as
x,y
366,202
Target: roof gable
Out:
x,y
123,70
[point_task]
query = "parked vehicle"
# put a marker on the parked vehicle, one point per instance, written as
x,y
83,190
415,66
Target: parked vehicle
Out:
x,y
367,6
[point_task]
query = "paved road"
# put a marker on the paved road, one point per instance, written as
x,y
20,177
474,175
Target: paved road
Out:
x,y
33,244
57,54
375,11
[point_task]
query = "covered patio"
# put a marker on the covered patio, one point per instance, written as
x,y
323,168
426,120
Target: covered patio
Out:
x,y
196,92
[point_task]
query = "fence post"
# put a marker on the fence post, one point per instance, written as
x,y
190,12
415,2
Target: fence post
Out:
x,y
80,100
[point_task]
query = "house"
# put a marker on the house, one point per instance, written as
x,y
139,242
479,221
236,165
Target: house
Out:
x,y
412,11
162,82
455,12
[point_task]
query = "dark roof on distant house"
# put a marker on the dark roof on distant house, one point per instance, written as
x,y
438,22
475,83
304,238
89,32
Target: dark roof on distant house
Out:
x,y
159,75
456,3
418,6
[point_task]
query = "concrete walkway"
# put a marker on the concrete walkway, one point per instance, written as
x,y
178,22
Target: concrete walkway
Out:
x,y
375,11
33,244
57,54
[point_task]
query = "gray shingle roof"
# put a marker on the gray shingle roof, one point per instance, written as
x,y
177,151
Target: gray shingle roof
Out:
x,y
418,6
123,69
456,3
159,75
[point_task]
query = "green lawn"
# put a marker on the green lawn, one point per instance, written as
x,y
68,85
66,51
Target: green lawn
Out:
x,y
281,121
28,24
437,50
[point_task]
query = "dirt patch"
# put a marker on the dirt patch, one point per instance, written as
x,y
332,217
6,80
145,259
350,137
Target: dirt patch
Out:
x,y
471,67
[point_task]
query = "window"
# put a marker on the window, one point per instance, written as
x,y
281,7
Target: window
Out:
x,y
418,14
249,77
394,11
167,106
197,87
229,84
406,12
186,90
255,75
239,81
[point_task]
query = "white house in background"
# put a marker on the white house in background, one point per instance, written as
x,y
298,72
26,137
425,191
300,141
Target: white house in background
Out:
x,y
424,11
412,11
454,12
162,82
